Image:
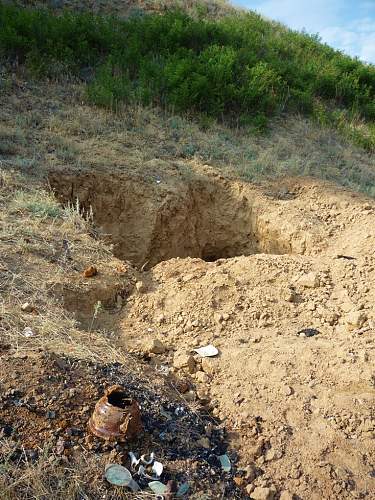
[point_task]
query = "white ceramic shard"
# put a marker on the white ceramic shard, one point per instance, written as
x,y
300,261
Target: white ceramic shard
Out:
x,y
207,351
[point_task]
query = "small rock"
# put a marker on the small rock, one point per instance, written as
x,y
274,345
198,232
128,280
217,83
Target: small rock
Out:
x,y
27,307
263,493
288,391
288,295
285,495
238,480
204,442
250,472
182,386
181,360
355,319
72,393
28,332
160,319
209,365
310,280
154,346
202,393
140,286
250,488
90,272
273,454
202,377
218,317
190,396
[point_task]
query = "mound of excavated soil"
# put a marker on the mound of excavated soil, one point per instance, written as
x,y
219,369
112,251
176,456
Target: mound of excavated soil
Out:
x,y
246,268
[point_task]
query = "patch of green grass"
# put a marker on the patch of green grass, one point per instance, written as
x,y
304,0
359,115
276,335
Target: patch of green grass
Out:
x,y
39,204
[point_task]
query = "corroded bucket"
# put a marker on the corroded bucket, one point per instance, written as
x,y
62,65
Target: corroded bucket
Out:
x,y
116,417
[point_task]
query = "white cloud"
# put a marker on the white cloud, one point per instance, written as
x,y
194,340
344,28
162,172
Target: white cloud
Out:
x,y
297,14
357,39
327,17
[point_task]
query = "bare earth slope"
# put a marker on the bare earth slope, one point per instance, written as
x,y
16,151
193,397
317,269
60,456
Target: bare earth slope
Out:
x,y
270,262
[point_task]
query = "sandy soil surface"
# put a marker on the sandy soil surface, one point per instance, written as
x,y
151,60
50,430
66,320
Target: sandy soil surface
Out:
x,y
247,268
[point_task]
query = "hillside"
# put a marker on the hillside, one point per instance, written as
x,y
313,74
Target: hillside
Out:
x,y
171,179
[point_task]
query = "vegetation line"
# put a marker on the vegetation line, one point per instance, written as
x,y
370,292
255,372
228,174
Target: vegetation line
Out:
x,y
241,67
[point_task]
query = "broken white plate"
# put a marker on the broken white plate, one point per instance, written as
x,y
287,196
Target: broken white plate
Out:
x,y
134,460
157,468
207,351
150,460
118,475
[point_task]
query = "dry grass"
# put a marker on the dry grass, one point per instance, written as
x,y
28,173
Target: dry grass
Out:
x,y
50,477
34,268
60,130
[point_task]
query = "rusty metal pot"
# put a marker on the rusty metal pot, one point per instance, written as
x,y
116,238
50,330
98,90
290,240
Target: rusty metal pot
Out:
x,y
116,417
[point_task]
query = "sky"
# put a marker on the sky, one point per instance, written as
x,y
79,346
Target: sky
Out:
x,y
347,25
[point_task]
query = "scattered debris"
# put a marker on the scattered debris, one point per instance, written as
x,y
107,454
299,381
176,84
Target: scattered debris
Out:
x,y
27,307
308,332
90,272
347,257
225,463
116,416
134,460
28,332
182,490
158,488
157,468
149,461
207,351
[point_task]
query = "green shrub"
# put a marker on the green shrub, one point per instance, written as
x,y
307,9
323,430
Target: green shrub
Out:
x,y
241,68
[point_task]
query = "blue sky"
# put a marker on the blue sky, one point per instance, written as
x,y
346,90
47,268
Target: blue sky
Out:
x,y
348,25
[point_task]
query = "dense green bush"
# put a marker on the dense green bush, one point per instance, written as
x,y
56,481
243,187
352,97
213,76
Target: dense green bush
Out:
x,y
241,67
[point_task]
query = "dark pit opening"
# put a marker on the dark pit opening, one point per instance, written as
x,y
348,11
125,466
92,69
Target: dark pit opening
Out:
x,y
119,399
197,217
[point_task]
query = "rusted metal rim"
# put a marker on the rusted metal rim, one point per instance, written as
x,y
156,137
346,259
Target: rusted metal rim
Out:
x,y
116,416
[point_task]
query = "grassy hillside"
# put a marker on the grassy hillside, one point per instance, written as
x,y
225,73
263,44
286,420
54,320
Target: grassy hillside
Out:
x,y
239,69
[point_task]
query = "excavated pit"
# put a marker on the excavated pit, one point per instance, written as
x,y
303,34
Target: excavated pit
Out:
x,y
151,221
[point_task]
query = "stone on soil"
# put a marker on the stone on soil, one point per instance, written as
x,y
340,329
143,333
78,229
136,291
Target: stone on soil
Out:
x,y
310,280
154,346
182,360
263,493
355,319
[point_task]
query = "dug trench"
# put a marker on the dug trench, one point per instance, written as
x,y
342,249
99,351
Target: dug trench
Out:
x,y
245,268
197,215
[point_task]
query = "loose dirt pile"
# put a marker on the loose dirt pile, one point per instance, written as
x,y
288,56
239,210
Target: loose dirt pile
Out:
x,y
246,268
